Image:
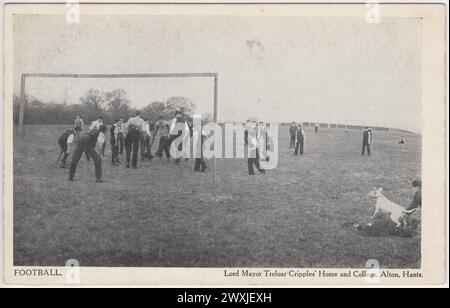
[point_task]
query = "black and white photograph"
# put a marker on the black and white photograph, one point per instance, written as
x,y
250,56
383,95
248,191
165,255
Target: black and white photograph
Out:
x,y
235,139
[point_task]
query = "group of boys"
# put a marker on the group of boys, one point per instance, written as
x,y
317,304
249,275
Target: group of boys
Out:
x,y
91,143
135,135
297,138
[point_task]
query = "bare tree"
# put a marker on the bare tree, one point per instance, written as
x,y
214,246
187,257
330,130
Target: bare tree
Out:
x,y
117,100
94,99
153,110
183,104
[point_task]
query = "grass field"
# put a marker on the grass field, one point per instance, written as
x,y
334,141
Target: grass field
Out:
x,y
162,215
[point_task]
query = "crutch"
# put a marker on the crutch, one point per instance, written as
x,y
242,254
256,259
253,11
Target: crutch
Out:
x,y
59,157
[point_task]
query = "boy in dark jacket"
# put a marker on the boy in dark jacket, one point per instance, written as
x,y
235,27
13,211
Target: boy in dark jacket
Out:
x,y
199,137
114,140
292,132
66,143
417,200
300,140
86,143
367,141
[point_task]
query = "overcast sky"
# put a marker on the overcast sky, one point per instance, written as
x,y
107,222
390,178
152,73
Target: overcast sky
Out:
x,y
337,70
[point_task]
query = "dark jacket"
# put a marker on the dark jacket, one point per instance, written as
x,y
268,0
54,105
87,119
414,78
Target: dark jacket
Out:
x,y
112,134
78,123
292,130
367,136
89,139
62,141
417,200
300,136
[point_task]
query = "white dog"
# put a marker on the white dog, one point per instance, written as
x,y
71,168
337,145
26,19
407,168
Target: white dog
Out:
x,y
396,212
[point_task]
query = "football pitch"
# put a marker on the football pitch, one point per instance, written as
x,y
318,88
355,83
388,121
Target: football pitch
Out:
x,y
163,215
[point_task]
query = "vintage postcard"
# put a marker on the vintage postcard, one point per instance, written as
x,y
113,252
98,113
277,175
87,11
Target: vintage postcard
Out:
x,y
224,144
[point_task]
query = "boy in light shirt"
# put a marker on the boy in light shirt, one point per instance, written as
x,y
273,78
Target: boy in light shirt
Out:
x,y
133,129
100,142
96,124
145,140
72,139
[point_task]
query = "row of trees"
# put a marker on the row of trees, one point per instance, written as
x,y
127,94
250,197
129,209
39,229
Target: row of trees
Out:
x,y
110,105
